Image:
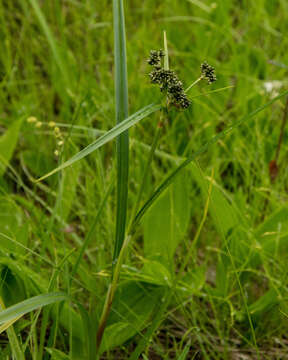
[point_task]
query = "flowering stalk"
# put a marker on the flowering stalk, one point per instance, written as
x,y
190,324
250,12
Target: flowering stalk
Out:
x,y
167,80
147,167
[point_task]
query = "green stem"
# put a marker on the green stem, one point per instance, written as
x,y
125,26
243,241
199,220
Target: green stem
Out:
x,y
193,84
116,270
196,237
110,296
146,170
121,110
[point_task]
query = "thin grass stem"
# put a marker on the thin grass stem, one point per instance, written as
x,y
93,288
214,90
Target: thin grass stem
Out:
x,y
146,170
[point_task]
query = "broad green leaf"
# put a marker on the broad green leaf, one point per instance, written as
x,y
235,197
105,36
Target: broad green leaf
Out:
x,y
133,306
231,227
155,323
13,224
31,304
272,236
167,221
261,305
154,272
57,354
70,182
264,303
193,281
274,223
12,287
219,203
108,136
8,143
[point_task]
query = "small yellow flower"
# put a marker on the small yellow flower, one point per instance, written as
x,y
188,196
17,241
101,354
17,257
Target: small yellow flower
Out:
x,y
51,124
60,143
31,119
56,153
57,132
38,124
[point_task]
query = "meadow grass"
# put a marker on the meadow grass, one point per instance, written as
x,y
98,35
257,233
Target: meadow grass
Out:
x,y
202,273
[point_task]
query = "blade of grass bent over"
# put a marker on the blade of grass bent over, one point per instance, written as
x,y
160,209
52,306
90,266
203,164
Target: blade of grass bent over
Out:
x,y
16,348
108,136
121,112
29,305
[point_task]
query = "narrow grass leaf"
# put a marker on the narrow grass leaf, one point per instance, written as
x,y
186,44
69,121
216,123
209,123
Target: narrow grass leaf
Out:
x,y
12,337
121,112
108,136
185,352
57,354
6,325
50,38
29,305
169,180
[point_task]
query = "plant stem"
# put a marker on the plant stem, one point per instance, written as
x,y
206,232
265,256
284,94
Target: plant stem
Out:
x,y
281,135
195,239
121,111
146,170
110,296
194,83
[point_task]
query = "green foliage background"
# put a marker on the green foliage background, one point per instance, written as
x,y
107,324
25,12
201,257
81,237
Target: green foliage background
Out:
x,y
57,64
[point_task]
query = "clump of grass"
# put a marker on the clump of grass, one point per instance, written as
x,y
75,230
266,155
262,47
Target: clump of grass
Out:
x,y
215,321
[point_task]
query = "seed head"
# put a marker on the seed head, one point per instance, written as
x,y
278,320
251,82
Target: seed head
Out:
x,y
208,72
155,58
167,80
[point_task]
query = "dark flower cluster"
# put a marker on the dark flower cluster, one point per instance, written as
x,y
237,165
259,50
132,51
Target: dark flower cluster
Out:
x,y
155,58
167,80
208,72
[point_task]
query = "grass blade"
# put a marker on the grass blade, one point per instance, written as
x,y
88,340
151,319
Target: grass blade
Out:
x,y
158,318
121,112
108,136
166,56
12,337
8,142
29,305
169,180
185,352
50,38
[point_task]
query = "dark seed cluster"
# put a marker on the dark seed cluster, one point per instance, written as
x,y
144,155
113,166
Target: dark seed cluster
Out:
x,y
208,72
155,58
167,80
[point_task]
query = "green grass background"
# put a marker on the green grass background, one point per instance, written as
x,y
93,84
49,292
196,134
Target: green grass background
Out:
x,y
56,63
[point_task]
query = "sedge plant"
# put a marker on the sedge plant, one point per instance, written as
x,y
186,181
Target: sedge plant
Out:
x,y
174,95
